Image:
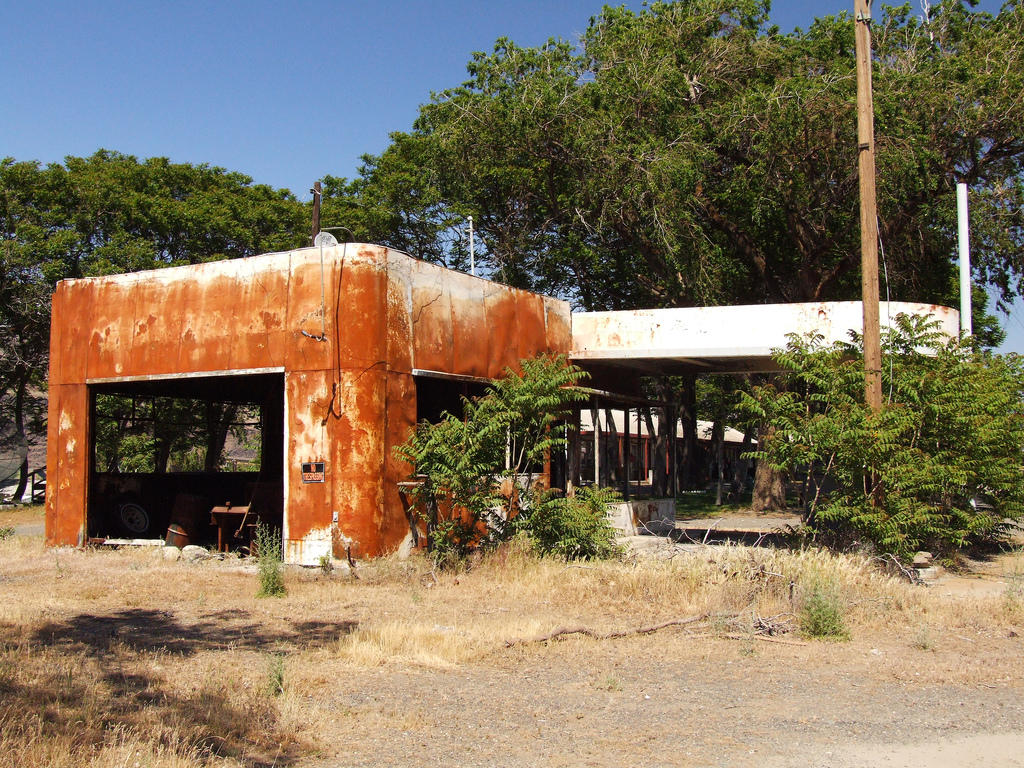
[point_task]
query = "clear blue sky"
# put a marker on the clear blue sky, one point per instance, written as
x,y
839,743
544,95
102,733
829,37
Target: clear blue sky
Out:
x,y
285,92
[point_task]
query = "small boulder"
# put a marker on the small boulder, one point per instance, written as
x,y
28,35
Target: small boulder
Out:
x,y
171,554
192,553
923,560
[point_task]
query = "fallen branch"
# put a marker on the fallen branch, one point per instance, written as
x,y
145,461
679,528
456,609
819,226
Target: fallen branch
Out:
x,y
711,528
893,563
563,631
765,638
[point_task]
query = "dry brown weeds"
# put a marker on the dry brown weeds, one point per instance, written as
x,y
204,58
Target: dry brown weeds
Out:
x,y
118,658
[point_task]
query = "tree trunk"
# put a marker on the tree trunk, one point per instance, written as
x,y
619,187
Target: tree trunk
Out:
x,y
666,439
659,454
718,441
218,424
739,478
689,463
769,485
20,433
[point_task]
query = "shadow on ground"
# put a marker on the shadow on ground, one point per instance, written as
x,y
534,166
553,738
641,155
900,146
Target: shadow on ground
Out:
x,y
155,630
86,681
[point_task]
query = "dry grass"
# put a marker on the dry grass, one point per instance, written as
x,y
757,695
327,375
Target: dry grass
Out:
x,y
120,658
29,514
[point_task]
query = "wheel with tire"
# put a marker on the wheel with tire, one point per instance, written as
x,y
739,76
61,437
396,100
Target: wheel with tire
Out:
x,y
133,518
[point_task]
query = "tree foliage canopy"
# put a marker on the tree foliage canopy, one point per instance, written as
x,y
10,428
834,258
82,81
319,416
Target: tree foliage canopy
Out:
x,y
939,466
111,213
687,154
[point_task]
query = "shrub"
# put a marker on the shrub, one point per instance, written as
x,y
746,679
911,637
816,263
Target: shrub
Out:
x,y
938,467
574,527
268,554
500,440
821,614
326,566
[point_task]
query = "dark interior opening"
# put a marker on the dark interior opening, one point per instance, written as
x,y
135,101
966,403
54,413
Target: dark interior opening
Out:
x,y
436,395
167,452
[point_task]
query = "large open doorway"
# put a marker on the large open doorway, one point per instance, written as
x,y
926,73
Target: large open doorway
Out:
x,y
167,452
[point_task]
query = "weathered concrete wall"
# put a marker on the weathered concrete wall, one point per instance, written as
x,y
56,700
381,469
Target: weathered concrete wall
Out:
x,y
636,516
348,399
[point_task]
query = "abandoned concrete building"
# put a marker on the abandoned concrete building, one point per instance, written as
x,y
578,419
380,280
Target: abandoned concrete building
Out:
x,y
323,360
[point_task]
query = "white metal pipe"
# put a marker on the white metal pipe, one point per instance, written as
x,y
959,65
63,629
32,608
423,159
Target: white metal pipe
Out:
x,y
472,255
963,225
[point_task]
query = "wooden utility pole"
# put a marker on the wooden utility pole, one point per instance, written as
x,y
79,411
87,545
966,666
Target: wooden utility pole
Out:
x,y
868,209
316,209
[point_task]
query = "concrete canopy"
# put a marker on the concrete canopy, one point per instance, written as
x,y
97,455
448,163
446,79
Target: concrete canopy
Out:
x,y
721,339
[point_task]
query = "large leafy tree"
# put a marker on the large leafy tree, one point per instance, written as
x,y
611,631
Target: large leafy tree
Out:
x,y
24,308
111,213
687,154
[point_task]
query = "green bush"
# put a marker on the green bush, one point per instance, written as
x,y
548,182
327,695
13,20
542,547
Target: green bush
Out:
x,y
500,439
574,527
268,557
909,477
821,614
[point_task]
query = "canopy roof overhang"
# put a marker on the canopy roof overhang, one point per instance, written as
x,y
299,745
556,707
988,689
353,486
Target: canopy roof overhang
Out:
x,y
737,339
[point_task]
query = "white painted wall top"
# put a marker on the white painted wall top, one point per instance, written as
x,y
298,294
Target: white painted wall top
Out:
x,y
724,339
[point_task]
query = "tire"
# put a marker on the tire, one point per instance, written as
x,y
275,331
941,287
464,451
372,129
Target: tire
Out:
x,y
133,518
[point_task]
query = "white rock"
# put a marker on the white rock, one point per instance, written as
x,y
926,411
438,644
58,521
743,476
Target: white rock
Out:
x,y
171,554
192,553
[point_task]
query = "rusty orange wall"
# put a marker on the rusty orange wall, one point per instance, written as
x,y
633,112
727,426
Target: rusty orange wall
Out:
x,y
349,400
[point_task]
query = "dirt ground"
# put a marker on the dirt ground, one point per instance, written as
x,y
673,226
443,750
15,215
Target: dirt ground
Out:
x,y
404,668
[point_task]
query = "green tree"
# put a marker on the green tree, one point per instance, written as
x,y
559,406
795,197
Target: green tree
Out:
x,y
479,468
938,467
111,213
688,155
24,307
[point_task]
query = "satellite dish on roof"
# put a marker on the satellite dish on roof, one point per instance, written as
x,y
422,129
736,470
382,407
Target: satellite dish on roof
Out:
x,y
325,239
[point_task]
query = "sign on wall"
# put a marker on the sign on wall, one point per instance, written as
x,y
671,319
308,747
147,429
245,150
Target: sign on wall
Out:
x,y
312,471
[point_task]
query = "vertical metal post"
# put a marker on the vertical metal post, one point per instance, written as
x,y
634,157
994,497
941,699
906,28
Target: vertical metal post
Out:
x,y
673,443
316,190
868,209
625,459
472,249
963,224
595,417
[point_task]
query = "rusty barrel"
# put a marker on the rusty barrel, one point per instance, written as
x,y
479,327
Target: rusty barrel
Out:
x,y
176,536
185,516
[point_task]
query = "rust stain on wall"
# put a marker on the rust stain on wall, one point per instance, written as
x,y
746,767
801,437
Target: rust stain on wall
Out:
x,y
348,399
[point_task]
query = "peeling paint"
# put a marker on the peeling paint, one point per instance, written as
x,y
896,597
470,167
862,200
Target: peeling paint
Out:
x,y
348,400
310,548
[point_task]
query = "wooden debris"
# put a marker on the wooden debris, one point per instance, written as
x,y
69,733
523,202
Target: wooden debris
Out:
x,y
563,631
